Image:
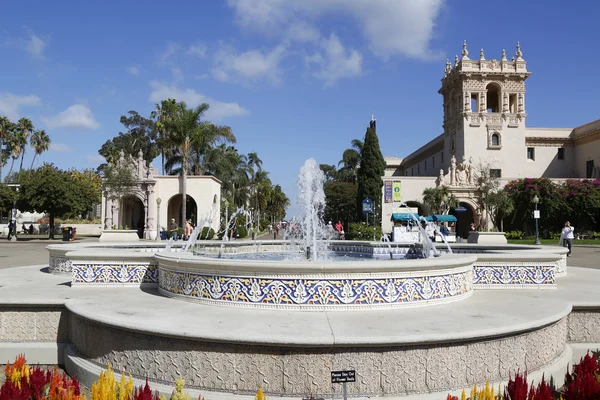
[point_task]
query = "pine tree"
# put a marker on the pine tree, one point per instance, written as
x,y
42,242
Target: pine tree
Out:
x,y
370,173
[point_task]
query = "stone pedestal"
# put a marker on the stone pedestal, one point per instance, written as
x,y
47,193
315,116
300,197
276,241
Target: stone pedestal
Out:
x,y
119,235
487,237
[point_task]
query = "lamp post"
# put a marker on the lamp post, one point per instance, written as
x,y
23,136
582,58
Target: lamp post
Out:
x,y
536,216
444,201
158,201
226,214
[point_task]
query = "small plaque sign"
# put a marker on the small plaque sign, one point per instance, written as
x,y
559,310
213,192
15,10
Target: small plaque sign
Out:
x,y
343,376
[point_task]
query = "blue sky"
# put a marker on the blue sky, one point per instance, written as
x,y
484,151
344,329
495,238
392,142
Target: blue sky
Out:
x,y
293,78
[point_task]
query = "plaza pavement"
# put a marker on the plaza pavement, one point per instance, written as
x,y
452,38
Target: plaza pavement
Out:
x,y
33,252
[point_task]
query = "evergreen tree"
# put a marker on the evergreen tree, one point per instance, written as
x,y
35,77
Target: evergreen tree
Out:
x,y
370,173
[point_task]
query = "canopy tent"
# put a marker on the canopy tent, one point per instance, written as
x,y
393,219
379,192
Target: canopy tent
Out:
x,y
402,217
444,218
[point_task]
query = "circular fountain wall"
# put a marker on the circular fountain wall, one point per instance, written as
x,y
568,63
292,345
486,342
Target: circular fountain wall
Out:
x,y
368,283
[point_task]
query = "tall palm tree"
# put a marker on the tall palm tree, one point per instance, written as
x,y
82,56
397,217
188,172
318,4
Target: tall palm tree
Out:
x,y
255,165
5,129
25,127
15,143
40,141
161,112
183,125
351,161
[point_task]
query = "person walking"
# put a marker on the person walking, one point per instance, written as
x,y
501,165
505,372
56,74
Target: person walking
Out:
x,y
567,236
173,227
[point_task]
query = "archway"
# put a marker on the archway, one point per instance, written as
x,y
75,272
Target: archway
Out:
x,y
493,100
463,219
175,208
132,214
415,204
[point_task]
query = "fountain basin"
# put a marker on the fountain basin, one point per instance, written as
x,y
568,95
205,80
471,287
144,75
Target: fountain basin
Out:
x,y
316,285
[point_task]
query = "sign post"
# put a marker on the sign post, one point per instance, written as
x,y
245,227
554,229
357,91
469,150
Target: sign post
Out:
x,y
367,208
343,377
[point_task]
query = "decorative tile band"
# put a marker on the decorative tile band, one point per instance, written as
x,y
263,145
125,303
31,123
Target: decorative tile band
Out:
x,y
365,291
94,273
498,275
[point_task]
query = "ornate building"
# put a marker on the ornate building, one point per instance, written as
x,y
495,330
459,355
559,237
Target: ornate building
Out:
x,y
158,199
484,123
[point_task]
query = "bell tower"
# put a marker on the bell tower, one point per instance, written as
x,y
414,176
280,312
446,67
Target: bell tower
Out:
x,y
484,110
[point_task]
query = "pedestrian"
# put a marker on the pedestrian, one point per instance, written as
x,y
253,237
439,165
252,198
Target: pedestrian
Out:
x,y
567,236
187,232
11,229
472,227
173,227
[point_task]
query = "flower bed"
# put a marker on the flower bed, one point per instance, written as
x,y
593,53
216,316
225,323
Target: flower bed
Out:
x,y
583,383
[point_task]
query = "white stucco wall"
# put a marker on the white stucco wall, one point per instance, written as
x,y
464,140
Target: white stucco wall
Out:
x,y
202,189
585,152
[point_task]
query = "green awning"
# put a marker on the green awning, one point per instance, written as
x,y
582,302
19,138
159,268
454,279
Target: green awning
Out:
x,y
444,218
402,217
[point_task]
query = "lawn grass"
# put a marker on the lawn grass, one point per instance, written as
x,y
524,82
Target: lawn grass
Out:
x,y
554,242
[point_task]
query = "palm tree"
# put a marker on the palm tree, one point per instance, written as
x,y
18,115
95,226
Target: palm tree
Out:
x,y
255,161
40,141
278,203
433,199
25,127
161,112
15,143
183,125
351,161
6,128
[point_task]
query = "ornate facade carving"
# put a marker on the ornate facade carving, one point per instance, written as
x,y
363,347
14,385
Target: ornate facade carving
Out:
x,y
458,174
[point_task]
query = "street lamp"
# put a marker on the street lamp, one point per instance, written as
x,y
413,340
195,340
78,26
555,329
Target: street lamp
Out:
x,y
536,216
226,213
158,201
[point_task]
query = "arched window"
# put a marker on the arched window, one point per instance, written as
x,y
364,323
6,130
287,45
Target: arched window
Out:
x,y
493,97
215,199
495,139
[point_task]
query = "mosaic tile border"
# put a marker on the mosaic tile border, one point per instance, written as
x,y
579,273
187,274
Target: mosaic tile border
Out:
x,y
522,275
301,291
118,273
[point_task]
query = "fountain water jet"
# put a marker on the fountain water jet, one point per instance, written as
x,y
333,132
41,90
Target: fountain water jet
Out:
x,y
312,202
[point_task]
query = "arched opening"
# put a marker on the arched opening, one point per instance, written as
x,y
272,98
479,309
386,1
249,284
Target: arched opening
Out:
x,y
495,139
463,219
493,97
132,215
415,204
175,208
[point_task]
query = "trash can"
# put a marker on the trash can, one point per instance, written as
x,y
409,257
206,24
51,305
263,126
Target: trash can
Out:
x,y
67,233
163,235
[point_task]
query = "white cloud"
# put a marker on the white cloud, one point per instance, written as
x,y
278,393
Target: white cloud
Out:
x,y
253,65
197,50
95,159
35,45
59,148
11,103
337,62
167,56
391,27
76,116
217,111
133,70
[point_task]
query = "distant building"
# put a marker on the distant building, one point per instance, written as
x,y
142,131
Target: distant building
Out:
x,y
485,118
160,198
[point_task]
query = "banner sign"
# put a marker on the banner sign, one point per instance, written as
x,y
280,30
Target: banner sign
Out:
x,y
406,210
388,191
397,197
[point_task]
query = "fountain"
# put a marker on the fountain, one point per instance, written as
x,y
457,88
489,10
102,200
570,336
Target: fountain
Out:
x,y
286,323
312,203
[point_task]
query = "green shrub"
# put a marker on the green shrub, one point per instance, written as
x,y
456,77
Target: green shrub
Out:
x,y
362,231
515,235
242,231
207,233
